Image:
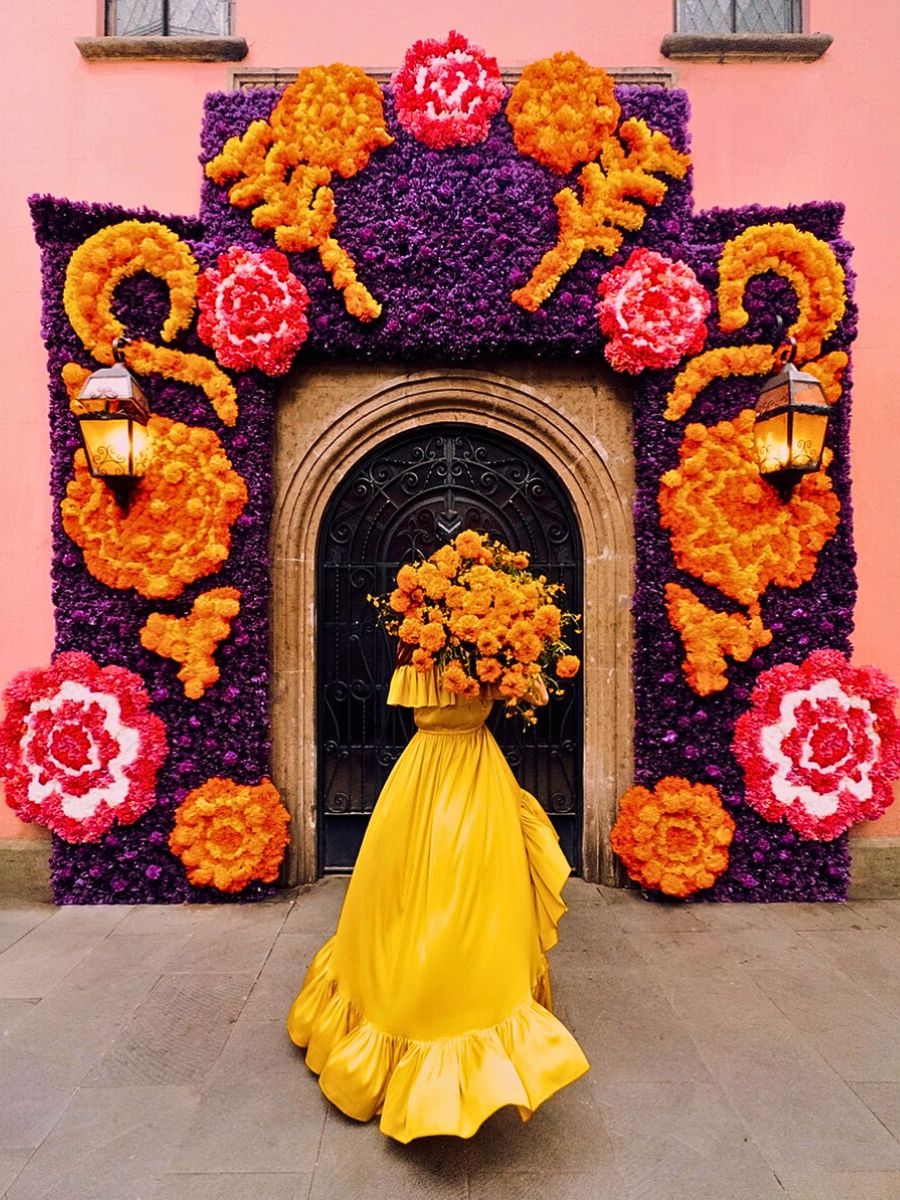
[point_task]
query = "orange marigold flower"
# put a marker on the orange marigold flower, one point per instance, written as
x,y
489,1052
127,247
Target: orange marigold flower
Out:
x,y
562,111
548,621
488,643
407,578
568,666
488,670
432,637
465,626
178,526
455,679
410,630
469,544
521,560
514,683
422,660
447,561
528,648
675,838
228,834
192,640
456,596
400,601
434,584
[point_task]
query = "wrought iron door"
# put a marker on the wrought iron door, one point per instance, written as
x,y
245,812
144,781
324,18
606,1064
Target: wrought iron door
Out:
x,y
403,501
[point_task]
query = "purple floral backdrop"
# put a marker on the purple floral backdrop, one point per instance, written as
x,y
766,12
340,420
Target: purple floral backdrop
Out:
x,y
440,238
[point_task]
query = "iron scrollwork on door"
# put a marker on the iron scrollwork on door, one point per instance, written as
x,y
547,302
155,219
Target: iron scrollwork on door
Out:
x,y
402,502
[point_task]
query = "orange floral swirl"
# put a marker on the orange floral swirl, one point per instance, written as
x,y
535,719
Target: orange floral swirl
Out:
x,y
117,252
227,834
729,527
709,636
810,266
178,525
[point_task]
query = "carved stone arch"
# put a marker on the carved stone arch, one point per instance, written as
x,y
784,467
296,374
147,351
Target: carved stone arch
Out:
x,y
579,424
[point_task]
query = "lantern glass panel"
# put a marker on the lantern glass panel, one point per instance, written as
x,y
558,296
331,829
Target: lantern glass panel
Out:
x,y
773,449
808,440
106,443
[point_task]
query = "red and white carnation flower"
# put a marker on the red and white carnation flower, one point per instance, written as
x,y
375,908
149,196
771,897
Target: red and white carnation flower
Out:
x,y
653,310
253,311
79,747
820,744
446,93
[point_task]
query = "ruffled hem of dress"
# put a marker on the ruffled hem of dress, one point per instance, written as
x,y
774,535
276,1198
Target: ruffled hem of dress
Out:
x,y
448,1086
548,866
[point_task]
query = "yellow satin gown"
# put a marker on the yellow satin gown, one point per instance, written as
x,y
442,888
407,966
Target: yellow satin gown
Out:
x,y
431,1003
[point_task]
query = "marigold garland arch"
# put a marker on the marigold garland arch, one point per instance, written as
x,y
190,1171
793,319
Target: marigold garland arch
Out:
x,y
599,485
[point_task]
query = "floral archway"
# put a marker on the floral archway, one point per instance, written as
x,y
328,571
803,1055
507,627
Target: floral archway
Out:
x,y
342,220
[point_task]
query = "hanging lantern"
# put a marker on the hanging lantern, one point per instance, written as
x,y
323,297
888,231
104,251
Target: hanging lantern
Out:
x,y
112,416
791,420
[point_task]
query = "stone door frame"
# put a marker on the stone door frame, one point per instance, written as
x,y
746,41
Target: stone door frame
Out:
x,y
317,444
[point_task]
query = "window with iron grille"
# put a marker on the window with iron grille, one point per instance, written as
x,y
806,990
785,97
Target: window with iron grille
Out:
x,y
739,16
168,18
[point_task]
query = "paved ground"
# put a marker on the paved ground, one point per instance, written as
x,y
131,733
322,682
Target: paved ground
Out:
x,y
738,1053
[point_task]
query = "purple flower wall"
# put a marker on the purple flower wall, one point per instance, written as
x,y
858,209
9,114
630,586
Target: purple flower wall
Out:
x,y
441,239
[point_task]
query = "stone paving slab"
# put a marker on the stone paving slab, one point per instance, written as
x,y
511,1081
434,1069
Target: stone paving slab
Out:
x,y
738,1052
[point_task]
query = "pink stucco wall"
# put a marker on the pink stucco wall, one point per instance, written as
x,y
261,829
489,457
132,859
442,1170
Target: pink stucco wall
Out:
x,y
128,133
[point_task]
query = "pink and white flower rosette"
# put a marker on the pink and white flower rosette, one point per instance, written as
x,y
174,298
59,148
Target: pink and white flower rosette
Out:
x,y
820,744
653,309
253,311
446,93
79,747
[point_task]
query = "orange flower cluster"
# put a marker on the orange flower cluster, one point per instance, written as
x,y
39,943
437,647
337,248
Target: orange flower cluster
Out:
x,y
810,266
626,173
227,834
474,611
329,121
804,260
117,252
192,640
562,111
729,527
675,838
178,525
708,636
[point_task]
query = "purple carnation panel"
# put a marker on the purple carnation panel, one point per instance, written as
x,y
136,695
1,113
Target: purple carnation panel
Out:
x,y
441,239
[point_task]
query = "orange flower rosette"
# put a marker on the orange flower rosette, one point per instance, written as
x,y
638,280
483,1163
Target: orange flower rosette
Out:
x,y
674,838
228,834
474,612
178,525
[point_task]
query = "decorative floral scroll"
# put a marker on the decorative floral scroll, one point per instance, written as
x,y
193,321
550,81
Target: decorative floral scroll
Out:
x,y
674,838
228,834
192,640
115,253
329,121
820,744
710,636
79,747
817,278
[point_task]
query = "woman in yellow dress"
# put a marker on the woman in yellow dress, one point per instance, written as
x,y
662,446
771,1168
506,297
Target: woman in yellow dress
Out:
x,y
431,1003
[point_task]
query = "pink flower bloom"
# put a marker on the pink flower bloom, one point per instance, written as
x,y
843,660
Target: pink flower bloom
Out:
x,y
445,93
820,744
79,747
253,311
653,311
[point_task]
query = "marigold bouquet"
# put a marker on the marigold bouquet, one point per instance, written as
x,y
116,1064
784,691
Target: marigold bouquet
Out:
x,y
474,612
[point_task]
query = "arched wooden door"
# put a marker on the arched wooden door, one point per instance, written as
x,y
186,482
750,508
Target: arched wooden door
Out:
x,y
400,502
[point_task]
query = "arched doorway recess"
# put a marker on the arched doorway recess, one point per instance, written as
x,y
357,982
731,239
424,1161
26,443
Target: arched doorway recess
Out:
x,y
332,418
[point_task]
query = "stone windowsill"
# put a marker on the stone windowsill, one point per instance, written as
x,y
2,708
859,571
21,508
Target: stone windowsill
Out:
x,y
178,49
746,47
